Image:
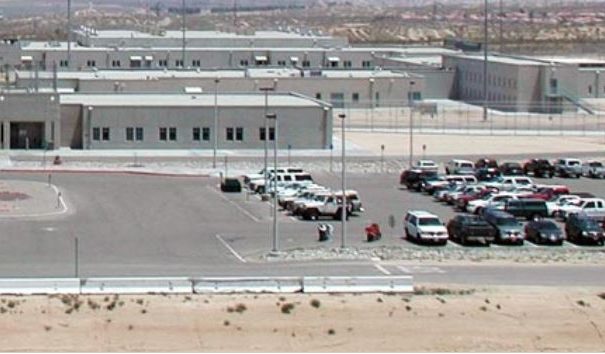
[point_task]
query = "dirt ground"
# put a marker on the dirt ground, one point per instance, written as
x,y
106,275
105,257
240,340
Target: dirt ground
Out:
x,y
439,319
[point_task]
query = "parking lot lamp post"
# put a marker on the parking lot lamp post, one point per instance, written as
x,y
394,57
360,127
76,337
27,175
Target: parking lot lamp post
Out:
x,y
343,215
215,146
275,247
266,137
411,104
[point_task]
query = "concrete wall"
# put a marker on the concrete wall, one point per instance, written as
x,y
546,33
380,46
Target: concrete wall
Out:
x,y
302,128
591,83
40,108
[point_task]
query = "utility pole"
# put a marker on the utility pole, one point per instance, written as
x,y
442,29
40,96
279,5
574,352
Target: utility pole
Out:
x,y
68,33
501,15
485,37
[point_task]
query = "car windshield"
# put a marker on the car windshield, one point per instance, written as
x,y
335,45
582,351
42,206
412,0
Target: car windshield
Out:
x,y
320,198
546,225
429,222
573,163
507,221
466,165
595,164
434,177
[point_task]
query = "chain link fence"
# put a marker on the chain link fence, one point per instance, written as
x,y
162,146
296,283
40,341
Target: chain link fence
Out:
x,y
450,117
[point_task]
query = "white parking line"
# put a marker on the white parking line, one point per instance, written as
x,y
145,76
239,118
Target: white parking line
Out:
x,y
246,212
531,244
453,244
382,269
231,249
571,244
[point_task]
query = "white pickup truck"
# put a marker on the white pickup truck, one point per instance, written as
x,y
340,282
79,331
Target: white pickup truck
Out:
x,y
593,169
509,183
592,207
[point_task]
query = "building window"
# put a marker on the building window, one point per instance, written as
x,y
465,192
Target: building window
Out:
x,y
96,134
178,63
163,134
162,63
347,64
306,63
196,134
281,62
589,89
139,134
196,63
116,63
239,134
271,133
318,96
229,132
355,97
243,62
129,134
172,133
91,63
206,134
105,134
63,63
366,64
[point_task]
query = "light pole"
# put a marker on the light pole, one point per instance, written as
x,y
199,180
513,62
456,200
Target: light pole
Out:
x,y
485,37
215,147
273,116
343,211
411,104
266,91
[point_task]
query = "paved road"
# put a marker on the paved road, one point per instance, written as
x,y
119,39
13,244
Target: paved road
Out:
x,y
145,225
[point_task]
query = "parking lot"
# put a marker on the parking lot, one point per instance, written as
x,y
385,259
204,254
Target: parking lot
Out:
x,y
152,225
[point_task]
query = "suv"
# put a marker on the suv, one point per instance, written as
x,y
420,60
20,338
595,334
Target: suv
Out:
x,y
568,168
581,228
470,228
539,168
424,226
324,205
593,169
508,228
530,209
511,169
460,167
592,207
508,183
489,165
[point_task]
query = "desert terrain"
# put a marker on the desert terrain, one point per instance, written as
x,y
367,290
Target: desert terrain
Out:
x,y
472,319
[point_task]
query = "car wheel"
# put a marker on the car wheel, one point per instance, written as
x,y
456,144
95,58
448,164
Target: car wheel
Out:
x,y
478,211
447,171
520,243
313,215
601,242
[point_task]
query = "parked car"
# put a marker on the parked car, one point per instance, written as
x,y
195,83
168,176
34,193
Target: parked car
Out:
x,y
553,204
580,228
324,205
231,185
353,199
494,201
488,164
460,167
544,231
424,227
465,229
452,198
426,165
511,169
508,228
485,175
412,179
592,207
539,168
530,209
463,200
593,169
443,194
568,167
507,183
547,193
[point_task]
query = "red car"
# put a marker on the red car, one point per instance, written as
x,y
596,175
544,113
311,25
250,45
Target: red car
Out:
x,y
463,200
547,193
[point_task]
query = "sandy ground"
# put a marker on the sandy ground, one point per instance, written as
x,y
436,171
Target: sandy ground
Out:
x,y
495,319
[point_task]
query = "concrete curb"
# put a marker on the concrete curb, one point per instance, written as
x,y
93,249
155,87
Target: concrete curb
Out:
x,y
107,171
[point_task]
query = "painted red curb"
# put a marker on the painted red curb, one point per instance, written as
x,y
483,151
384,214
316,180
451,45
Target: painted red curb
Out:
x,y
147,173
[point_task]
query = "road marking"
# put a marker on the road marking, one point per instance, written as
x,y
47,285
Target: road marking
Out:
x,y
231,249
64,210
246,212
382,269
454,244
529,243
420,269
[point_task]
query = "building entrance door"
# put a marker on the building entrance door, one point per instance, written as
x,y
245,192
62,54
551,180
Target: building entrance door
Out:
x,y
27,135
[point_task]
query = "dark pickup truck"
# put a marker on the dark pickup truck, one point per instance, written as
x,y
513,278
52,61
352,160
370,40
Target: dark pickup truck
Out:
x,y
465,228
529,208
539,168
